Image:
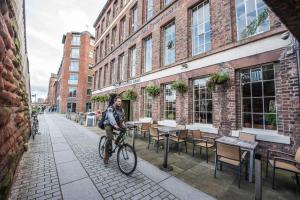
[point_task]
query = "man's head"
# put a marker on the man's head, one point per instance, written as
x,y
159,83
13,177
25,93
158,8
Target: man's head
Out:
x,y
118,101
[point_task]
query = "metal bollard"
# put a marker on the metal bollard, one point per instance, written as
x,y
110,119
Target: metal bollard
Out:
x,y
258,170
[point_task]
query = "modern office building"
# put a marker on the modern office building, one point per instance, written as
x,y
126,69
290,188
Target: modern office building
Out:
x,y
74,77
158,42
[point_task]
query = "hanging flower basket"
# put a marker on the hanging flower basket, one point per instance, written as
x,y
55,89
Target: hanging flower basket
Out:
x,y
129,95
179,86
152,90
217,79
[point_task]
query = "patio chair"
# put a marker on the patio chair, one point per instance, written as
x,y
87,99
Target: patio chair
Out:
x,y
203,142
232,155
154,135
180,137
287,163
247,137
145,128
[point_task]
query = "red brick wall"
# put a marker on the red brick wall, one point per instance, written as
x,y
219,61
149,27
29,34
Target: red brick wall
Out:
x,y
14,109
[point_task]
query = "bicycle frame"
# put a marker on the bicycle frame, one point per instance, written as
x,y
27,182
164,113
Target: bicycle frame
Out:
x,y
121,142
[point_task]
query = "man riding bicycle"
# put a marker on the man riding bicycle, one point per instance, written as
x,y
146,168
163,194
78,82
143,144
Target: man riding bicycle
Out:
x,y
114,119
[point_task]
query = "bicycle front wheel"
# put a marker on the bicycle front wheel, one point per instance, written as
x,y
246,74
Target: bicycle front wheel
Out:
x,y
102,146
126,159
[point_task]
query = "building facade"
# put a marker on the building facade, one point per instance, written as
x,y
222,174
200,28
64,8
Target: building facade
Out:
x,y
52,87
74,77
158,42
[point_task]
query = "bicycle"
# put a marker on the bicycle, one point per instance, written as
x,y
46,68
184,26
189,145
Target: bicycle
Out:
x,y
126,155
35,126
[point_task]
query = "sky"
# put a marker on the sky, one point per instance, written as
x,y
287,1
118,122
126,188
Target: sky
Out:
x,y
46,22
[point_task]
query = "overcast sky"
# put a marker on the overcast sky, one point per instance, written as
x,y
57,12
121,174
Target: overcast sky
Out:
x,y
47,21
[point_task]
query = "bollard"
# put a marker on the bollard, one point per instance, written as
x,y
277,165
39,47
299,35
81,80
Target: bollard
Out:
x,y
258,185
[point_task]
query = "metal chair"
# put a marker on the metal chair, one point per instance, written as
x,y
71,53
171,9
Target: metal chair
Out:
x,y
232,155
154,135
180,137
145,128
247,137
199,141
284,163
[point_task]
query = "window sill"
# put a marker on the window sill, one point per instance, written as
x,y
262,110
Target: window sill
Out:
x,y
207,128
267,135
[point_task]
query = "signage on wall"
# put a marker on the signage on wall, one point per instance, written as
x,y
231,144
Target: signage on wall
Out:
x,y
129,82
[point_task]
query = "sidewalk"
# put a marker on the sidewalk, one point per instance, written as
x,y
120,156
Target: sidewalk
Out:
x,y
63,163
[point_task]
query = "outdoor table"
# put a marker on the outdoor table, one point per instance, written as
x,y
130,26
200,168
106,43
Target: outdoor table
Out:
x,y
133,125
245,145
166,131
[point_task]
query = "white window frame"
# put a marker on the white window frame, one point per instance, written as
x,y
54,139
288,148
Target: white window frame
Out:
x,y
169,38
76,40
149,9
133,61
75,53
72,68
72,79
148,101
74,88
122,66
173,93
148,54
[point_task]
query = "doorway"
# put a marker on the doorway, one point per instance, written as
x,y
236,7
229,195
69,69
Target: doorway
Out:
x,y
126,106
71,107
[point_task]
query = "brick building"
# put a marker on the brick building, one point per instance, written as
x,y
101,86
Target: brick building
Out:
x,y
74,77
156,42
14,90
52,87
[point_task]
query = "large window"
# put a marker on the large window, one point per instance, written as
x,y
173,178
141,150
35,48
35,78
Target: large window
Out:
x,y
90,79
134,19
148,54
73,78
89,92
101,49
75,53
76,40
72,91
148,101
202,102
112,71
201,31
122,30
133,61
148,9
121,67
248,12
108,18
74,66
113,37
102,25
259,98
107,49
169,44
169,103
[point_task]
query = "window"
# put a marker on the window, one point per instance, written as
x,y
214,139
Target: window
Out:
x,y
148,101
89,92
148,10
134,19
247,12
74,66
121,67
112,71
101,50
115,8
102,25
72,91
71,107
108,18
201,31
88,107
100,78
259,98
75,53
202,102
123,3
113,37
107,45
169,103
91,54
73,78
76,40
95,80
169,44
104,75
167,2
148,54
90,79
96,54
132,61
122,30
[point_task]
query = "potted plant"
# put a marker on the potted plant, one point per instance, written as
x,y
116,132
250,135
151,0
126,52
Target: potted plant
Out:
x,y
217,79
179,86
152,90
129,95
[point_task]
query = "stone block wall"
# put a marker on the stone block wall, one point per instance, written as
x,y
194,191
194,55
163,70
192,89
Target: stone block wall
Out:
x,y
14,107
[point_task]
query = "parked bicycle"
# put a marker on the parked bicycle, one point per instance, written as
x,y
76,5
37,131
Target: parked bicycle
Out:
x,y
126,155
35,126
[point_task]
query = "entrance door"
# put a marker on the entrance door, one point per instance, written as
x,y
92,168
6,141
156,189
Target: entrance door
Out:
x,y
126,107
71,107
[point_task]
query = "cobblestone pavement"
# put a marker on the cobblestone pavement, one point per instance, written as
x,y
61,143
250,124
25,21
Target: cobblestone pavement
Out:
x,y
71,168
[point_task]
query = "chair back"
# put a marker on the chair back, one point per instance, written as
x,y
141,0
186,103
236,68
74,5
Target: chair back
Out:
x,y
145,126
183,134
297,155
197,134
153,132
247,137
180,127
154,125
228,151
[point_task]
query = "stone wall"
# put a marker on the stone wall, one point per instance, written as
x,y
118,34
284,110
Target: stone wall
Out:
x,y
14,108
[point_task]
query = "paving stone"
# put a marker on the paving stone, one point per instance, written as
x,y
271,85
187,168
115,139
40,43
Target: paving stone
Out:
x,y
70,171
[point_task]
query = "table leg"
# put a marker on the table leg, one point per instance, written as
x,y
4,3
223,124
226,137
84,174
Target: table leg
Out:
x,y
133,137
165,166
250,166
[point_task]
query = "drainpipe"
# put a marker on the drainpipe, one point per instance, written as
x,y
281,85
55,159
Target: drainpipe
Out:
x,y
298,62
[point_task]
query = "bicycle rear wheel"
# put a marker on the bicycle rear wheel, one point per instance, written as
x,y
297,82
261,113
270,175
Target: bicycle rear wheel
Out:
x,y
126,159
102,143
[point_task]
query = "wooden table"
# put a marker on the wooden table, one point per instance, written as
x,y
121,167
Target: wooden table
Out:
x,y
166,131
245,145
133,125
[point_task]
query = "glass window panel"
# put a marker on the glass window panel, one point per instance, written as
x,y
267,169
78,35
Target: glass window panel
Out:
x,y
257,89
269,88
257,105
270,105
247,120
197,117
246,92
209,118
258,121
245,76
247,105
202,117
270,122
209,105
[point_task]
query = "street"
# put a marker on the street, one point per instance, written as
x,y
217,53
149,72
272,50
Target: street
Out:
x,y
63,163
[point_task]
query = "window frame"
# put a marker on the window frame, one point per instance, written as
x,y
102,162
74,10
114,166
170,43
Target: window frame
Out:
x,y
72,92
71,69
165,111
147,102
145,51
121,68
133,61
76,42
70,81
165,45
73,54
134,18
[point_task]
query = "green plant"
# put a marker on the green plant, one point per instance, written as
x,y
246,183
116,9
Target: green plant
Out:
x,y
179,86
103,98
129,95
152,90
94,98
252,27
217,79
